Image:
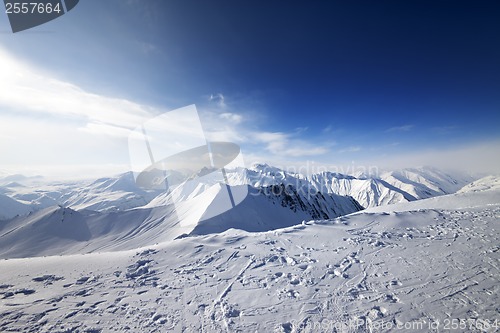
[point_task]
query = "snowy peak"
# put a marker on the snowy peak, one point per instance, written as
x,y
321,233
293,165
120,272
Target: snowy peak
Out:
x,y
10,208
209,210
121,193
265,168
489,183
113,214
411,261
316,204
368,190
272,207
425,182
335,175
60,222
13,184
104,194
19,179
124,182
55,228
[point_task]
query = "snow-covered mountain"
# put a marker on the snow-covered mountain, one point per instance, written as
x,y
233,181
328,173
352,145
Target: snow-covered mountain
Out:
x,y
115,214
413,267
121,193
276,206
483,184
370,191
59,230
105,194
10,208
425,182
108,194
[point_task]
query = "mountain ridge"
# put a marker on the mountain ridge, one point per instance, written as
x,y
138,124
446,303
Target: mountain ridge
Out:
x,y
114,214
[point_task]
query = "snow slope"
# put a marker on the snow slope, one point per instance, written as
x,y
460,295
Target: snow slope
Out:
x,y
105,194
58,230
109,194
370,191
425,182
484,192
120,193
276,207
483,184
414,270
112,214
10,208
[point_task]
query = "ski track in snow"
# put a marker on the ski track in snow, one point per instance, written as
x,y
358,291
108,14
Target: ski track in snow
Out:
x,y
405,267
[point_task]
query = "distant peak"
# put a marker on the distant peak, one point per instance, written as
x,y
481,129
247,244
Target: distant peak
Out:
x,y
329,174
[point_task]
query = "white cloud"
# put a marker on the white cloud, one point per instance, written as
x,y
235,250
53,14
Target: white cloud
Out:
x,y
274,141
327,129
33,141
232,117
305,150
25,89
225,134
46,121
105,129
283,144
81,128
218,99
226,126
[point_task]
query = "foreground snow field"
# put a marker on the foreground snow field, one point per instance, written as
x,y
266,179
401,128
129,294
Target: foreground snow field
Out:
x,y
424,266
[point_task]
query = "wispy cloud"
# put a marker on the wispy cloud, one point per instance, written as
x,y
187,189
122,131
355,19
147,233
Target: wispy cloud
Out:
x,y
219,99
404,128
85,128
228,124
47,121
284,144
232,117
327,129
221,125
300,130
105,129
32,142
26,89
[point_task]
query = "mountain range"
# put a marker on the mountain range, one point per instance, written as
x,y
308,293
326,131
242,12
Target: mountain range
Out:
x,y
263,266
115,214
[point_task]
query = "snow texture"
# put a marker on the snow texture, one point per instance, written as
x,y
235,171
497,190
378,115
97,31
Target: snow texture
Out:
x,y
413,266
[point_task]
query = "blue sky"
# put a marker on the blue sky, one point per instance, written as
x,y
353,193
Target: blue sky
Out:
x,y
370,82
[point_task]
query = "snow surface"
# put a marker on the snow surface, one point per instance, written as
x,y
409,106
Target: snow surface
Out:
x,y
105,194
120,193
59,230
415,265
370,191
483,184
10,208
